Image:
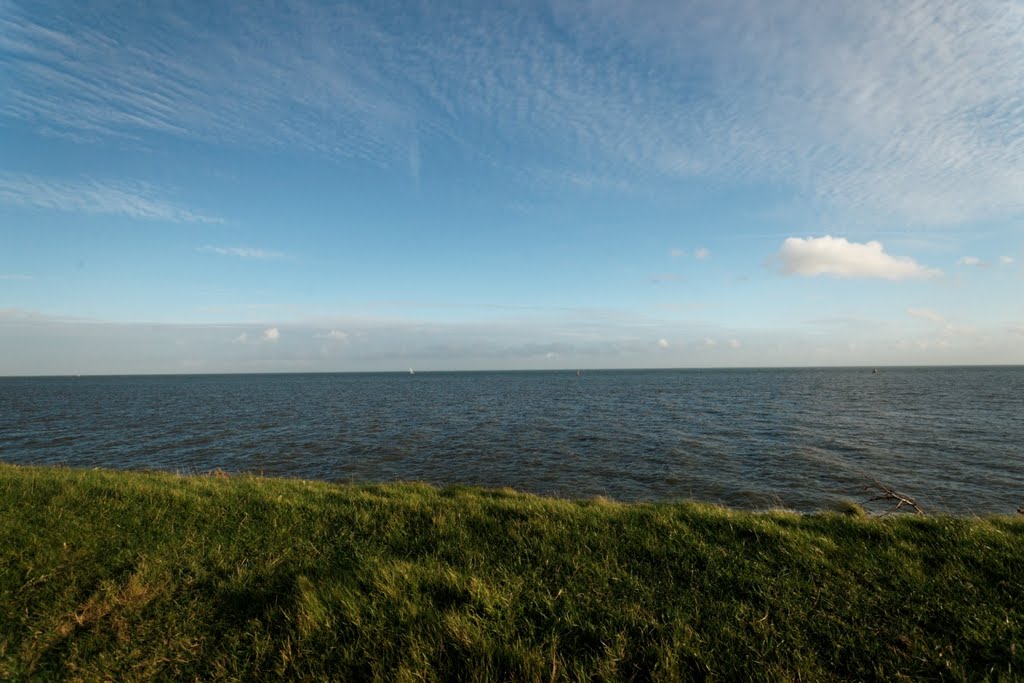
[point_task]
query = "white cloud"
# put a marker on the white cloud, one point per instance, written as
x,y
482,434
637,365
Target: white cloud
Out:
x,y
946,328
1005,260
663,344
700,254
241,339
334,335
951,330
271,334
734,343
971,261
243,252
709,343
836,256
926,314
131,199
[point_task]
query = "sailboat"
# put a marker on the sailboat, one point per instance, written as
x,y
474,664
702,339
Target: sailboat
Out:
x,y
411,372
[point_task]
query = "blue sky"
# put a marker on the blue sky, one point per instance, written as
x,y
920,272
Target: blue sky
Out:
x,y
196,187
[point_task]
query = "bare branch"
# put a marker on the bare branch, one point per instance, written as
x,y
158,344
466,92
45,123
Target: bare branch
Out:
x,y
885,493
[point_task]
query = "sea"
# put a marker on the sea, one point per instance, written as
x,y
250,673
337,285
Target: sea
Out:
x,y
951,438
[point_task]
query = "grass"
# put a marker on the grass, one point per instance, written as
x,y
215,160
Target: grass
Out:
x,y
132,576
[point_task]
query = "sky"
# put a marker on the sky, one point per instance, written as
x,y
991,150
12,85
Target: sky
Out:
x,y
191,187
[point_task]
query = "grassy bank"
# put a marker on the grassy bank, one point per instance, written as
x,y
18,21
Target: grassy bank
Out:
x,y
153,576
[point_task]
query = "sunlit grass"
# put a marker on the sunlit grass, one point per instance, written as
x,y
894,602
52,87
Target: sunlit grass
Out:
x,y
108,575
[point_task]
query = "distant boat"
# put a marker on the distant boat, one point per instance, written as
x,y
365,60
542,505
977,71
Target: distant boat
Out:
x,y
874,371
411,372
579,372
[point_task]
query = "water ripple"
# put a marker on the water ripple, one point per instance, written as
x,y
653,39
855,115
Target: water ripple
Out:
x,y
800,438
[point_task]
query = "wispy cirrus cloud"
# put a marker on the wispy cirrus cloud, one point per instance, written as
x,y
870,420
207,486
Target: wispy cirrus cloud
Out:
x,y
260,78
841,258
894,108
947,328
700,253
660,278
243,252
14,276
926,314
131,199
902,109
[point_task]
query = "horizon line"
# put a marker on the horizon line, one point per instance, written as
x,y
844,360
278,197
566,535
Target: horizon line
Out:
x,y
537,370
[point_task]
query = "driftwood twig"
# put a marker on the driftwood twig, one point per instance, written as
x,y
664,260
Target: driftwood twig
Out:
x,y
883,492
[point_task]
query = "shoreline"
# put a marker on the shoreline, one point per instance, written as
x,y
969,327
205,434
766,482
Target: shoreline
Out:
x,y
764,503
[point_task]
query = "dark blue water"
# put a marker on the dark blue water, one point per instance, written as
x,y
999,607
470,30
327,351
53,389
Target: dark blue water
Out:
x,y
800,438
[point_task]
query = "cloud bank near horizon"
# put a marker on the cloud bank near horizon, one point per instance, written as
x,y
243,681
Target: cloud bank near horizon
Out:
x,y
31,340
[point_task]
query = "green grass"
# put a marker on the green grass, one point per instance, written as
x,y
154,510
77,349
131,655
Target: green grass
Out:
x,y
128,576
